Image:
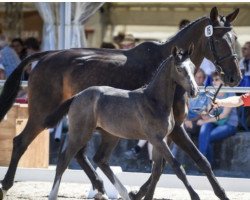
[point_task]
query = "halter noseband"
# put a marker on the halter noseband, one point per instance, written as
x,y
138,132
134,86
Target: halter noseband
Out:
x,y
218,59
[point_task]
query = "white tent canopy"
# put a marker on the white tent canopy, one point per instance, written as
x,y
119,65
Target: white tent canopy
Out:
x,y
63,21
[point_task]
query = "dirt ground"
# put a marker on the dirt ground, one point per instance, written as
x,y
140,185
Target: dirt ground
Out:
x,y
71,191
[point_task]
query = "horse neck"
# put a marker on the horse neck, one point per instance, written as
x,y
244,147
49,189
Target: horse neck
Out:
x,y
192,33
162,88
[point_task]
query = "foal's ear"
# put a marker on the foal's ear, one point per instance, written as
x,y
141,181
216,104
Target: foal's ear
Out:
x,y
214,14
174,51
191,49
231,17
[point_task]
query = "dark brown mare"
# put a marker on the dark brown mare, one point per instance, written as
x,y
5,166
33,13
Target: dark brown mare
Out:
x,y
61,74
145,113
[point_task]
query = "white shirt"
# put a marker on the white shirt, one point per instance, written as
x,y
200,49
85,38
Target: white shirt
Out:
x,y
207,66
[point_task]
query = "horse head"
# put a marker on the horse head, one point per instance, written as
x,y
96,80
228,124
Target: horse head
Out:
x,y
183,70
221,46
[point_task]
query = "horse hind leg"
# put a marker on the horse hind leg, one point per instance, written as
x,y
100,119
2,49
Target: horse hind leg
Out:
x,y
101,157
20,144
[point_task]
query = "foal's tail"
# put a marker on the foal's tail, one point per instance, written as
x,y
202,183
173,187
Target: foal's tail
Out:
x,y
11,86
54,118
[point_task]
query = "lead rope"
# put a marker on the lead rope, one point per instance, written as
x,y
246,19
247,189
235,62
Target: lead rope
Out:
x,y
216,110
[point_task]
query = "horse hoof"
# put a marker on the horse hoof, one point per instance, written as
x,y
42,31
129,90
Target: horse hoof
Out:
x,y
2,193
100,196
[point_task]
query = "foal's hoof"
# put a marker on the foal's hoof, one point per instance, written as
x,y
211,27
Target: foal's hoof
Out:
x,y
195,197
100,196
2,193
99,186
132,195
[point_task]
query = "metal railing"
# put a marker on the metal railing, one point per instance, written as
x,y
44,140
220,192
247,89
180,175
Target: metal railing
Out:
x,y
202,88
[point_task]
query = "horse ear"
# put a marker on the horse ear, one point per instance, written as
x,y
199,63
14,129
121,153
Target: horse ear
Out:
x,y
191,49
214,14
231,17
174,51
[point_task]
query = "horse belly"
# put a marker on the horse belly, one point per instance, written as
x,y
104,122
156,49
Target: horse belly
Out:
x,y
121,125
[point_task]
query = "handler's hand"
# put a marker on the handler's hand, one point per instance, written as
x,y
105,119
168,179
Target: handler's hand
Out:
x,y
216,103
200,122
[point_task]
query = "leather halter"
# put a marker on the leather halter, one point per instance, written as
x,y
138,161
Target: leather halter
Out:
x,y
218,59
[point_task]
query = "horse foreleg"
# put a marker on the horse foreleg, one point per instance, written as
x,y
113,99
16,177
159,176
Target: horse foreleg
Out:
x,y
164,150
101,157
90,171
181,138
20,144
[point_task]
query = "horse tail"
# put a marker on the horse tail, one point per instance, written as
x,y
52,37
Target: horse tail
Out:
x,y
54,118
12,84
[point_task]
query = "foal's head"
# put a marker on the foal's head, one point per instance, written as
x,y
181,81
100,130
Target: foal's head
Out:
x,y
182,70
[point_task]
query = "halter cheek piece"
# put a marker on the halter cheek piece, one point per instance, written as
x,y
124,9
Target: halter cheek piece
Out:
x,y
219,59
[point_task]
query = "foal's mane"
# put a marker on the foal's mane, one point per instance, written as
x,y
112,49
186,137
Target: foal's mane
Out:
x,y
158,70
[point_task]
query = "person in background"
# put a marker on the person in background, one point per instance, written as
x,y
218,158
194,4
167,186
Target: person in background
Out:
x,y
128,42
217,128
8,57
107,45
18,45
134,152
195,107
2,72
245,65
118,39
183,23
32,46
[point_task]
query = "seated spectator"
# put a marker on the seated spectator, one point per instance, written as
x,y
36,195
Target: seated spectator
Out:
x,y
213,130
195,107
245,65
8,57
18,45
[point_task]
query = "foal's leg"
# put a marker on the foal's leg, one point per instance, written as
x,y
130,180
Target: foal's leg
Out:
x,y
79,135
180,137
20,144
158,166
85,164
164,150
101,157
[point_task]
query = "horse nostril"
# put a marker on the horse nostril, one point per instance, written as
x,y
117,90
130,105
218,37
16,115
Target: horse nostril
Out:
x,y
231,80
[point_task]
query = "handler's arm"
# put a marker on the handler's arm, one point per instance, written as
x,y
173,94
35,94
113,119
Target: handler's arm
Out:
x,y
234,101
